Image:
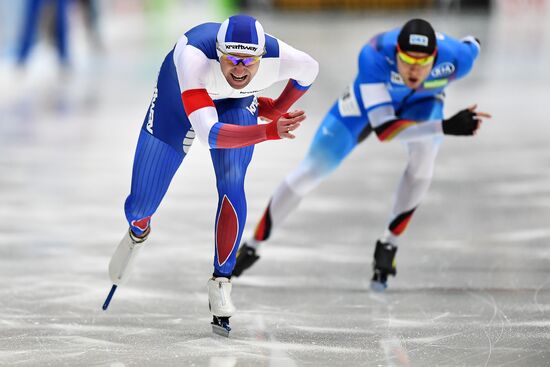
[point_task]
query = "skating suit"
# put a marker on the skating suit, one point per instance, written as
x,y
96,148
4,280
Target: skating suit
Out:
x,y
379,100
192,97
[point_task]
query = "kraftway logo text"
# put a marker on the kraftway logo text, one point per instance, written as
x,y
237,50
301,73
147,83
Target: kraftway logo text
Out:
x,y
241,47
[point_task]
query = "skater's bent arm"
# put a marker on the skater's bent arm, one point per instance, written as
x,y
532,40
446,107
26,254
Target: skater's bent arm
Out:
x,y
467,52
191,66
388,126
297,65
301,70
377,101
202,114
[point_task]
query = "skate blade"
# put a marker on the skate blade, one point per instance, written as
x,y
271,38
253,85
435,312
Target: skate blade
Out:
x,y
220,330
108,300
378,286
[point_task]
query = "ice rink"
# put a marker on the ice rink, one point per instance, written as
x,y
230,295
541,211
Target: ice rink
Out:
x,y
473,284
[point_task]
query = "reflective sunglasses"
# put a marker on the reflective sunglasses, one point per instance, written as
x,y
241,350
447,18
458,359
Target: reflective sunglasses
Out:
x,y
411,60
235,60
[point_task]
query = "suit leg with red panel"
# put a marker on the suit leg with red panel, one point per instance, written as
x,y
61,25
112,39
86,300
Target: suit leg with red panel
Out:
x,y
230,166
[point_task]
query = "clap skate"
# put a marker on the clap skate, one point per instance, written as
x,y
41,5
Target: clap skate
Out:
x,y
383,265
220,304
246,257
122,261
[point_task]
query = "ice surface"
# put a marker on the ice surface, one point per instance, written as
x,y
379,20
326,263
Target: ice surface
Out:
x,y
473,284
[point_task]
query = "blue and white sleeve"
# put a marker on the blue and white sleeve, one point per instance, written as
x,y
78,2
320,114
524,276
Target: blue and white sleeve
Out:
x,y
467,52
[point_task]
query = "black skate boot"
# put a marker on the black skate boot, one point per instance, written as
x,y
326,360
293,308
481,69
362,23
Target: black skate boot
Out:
x,y
383,265
246,257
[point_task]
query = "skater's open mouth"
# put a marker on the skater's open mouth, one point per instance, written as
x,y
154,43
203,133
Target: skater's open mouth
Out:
x,y
238,78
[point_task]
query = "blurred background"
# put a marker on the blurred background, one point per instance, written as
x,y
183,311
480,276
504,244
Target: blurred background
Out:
x,y
76,78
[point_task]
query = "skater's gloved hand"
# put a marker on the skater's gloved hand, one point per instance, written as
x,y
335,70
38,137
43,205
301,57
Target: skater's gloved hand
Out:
x,y
281,128
465,122
268,109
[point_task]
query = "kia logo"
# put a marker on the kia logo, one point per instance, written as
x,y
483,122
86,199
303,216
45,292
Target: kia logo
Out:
x,y
442,70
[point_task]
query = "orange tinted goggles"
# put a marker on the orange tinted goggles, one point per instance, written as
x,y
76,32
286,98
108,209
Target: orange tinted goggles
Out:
x,y
411,60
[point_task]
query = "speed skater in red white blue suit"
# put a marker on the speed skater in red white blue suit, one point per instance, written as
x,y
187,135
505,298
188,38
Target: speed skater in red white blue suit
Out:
x,y
207,88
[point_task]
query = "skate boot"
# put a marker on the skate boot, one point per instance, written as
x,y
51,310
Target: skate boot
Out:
x,y
122,261
383,265
220,304
246,257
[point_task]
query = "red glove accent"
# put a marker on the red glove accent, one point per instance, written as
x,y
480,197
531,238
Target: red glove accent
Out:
x,y
271,131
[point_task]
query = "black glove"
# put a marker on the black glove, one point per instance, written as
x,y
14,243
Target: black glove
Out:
x,y
463,123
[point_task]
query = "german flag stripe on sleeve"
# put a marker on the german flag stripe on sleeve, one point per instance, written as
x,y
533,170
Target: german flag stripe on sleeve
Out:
x,y
392,128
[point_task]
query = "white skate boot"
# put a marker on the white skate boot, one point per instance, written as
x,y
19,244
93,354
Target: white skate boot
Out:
x,y
220,304
122,261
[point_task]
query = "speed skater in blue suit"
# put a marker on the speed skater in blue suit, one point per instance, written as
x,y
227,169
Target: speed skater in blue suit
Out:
x,y
398,94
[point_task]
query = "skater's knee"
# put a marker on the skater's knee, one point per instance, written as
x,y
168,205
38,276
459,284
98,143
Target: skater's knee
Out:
x,y
419,176
321,162
309,175
420,168
231,175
